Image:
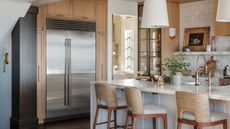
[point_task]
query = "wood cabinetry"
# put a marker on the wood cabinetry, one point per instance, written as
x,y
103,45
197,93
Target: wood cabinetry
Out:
x,y
40,18
84,9
73,9
221,28
60,9
101,41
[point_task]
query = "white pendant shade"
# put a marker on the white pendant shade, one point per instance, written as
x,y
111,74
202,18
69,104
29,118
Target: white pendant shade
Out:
x,y
223,11
155,14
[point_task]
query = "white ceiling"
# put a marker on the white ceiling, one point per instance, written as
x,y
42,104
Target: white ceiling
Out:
x,y
10,11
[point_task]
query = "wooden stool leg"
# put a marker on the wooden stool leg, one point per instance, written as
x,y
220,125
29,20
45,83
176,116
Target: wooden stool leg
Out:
x,y
109,118
199,127
154,123
134,119
225,125
179,125
96,117
165,122
115,119
127,121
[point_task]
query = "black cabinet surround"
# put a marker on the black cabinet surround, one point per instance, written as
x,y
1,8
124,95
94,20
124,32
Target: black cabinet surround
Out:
x,y
24,62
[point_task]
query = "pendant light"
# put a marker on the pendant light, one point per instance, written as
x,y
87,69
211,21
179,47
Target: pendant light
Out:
x,y
223,11
155,14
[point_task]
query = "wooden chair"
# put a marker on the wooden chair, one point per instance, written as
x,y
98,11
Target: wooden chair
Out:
x,y
107,99
136,109
193,109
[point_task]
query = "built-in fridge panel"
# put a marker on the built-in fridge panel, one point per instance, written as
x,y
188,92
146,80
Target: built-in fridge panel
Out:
x,y
70,68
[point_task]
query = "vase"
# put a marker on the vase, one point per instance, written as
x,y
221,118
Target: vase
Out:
x,y
177,79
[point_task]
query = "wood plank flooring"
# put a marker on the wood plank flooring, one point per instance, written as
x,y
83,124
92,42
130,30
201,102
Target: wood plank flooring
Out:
x,y
83,123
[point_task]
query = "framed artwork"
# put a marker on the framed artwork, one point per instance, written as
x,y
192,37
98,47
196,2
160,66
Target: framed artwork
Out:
x,y
197,38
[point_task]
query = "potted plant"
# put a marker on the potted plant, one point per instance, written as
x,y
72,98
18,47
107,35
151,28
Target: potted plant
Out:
x,y
186,48
174,66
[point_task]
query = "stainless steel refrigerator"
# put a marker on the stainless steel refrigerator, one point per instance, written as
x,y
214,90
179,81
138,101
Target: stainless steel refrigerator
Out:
x,y
70,68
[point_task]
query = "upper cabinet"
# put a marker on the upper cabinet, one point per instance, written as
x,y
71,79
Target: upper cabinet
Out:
x,y
84,9
60,9
221,28
73,9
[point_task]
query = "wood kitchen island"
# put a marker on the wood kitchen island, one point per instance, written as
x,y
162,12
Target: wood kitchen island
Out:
x,y
165,97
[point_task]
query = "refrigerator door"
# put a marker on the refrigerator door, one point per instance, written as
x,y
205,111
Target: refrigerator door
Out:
x,y
70,68
56,58
82,69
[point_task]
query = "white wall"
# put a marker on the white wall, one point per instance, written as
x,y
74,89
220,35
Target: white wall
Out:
x,y
117,7
5,85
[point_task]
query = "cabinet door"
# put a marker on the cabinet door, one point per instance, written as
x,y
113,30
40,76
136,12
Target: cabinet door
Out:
x,y
60,9
40,18
221,28
84,9
101,43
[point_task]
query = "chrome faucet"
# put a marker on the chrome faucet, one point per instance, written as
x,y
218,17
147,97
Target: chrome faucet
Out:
x,y
201,69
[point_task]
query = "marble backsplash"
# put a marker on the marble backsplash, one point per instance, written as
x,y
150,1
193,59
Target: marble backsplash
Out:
x,y
222,44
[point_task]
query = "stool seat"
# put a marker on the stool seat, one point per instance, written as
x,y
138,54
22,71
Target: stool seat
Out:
x,y
193,109
154,109
136,109
214,116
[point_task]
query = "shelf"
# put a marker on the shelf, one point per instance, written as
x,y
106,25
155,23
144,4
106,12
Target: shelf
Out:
x,y
217,53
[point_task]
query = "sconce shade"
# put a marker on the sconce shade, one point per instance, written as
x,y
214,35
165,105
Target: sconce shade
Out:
x,y
172,32
155,14
223,11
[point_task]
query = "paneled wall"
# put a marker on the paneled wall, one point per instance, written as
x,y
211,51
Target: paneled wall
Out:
x,y
170,46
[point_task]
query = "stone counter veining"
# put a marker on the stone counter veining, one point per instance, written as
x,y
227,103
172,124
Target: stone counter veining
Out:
x,y
216,93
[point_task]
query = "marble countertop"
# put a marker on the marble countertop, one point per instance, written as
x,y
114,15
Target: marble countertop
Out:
x,y
216,93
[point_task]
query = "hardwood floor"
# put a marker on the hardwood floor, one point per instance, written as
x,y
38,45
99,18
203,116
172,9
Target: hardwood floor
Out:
x,y
83,123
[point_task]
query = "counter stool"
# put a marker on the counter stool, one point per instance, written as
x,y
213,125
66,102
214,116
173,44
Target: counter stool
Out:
x,y
193,109
107,99
136,109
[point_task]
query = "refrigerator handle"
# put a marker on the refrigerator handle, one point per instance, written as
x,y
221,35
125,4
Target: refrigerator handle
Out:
x,y
66,75
70,76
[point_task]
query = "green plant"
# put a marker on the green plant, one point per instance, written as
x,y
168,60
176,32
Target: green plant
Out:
x,y
186,47
175,64
167,79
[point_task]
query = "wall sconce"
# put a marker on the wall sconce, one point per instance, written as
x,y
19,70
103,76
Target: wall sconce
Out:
x,y
5,60
172,32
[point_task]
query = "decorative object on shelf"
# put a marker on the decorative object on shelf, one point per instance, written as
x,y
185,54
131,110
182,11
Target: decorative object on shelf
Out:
x,y
211,63
213,43
186,48
226,72
172,32
174,66
197,38
155,14
208,48
223,11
